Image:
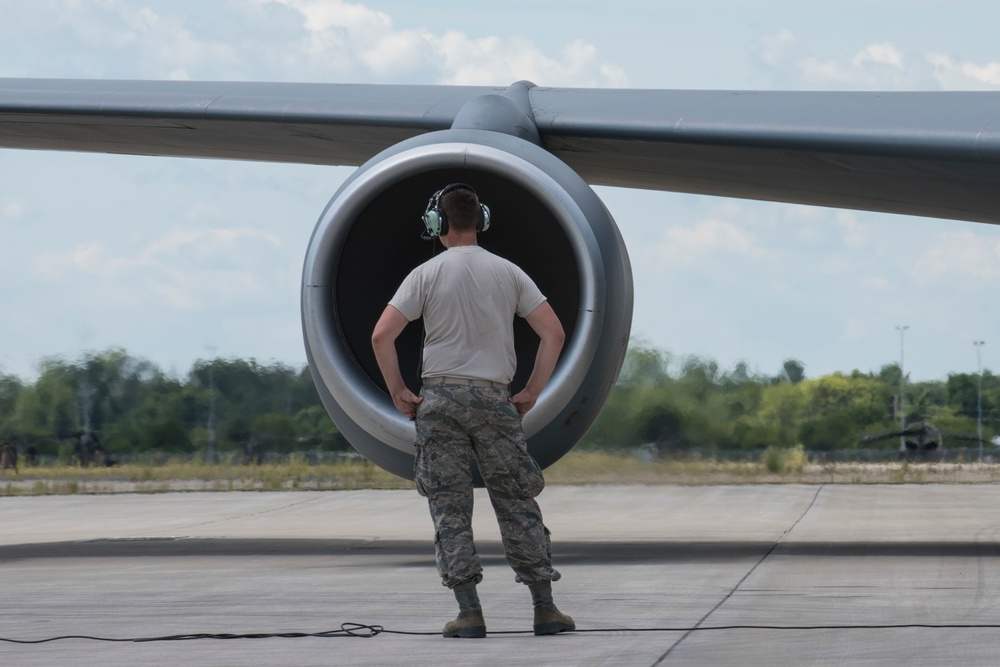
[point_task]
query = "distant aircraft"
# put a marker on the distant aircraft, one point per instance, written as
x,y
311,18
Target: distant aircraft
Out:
x,y
531,153
921,441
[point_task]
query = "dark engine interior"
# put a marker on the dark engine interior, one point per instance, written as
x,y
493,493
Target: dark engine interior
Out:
x,y
385,243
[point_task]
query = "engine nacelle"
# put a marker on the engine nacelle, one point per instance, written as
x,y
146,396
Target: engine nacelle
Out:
x,y
545,219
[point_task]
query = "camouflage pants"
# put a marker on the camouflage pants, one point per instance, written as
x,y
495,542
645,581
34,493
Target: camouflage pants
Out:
x,y
457,425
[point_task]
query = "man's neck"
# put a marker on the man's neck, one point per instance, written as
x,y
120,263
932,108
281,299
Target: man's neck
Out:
x,y
458,240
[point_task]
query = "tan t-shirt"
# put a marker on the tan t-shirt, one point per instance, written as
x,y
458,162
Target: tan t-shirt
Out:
x,y
468,298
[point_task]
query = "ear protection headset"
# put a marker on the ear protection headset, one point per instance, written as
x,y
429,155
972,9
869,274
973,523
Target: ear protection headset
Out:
x,y
435,219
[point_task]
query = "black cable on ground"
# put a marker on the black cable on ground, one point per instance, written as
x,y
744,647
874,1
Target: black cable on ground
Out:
x,y
364,631
346,630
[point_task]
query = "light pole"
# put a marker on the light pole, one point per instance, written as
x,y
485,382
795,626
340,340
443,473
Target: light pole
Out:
x,y
210,450
979,395
902,412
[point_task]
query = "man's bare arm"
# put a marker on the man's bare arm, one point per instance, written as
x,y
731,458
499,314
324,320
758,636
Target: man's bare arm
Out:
x,y
387,330
544,321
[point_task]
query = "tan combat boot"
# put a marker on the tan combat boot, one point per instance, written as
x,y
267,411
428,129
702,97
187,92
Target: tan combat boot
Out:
x,y
550,621
468,625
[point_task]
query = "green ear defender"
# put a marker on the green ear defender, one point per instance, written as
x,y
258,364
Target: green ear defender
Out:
x,y
435,220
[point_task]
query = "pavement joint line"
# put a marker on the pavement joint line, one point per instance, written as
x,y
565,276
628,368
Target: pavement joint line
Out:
x,y
136,538
746,576
252,514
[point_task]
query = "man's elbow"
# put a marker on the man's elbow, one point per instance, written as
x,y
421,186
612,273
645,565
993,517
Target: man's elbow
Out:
x,y
380,339
556,336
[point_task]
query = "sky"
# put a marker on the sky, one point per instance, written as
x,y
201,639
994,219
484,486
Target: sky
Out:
x,y
177,260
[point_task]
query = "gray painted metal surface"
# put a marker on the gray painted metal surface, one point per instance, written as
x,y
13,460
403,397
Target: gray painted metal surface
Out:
x,y
853,560
931,154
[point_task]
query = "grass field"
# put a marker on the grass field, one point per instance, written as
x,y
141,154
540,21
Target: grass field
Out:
x,y
577,467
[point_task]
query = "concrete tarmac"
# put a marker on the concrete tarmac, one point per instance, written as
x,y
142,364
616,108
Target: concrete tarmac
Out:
x,y
672,575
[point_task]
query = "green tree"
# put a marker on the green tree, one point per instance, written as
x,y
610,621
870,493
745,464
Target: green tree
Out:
x,y
317,430
840,407
10,390
46,411
276,432
963,392
793,371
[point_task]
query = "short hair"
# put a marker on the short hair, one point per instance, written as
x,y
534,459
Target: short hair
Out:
x,y
461,207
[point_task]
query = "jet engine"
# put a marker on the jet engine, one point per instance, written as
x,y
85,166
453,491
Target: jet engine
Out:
x,y
545,218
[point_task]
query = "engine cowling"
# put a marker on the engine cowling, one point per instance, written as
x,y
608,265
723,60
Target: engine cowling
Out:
x,y
545,218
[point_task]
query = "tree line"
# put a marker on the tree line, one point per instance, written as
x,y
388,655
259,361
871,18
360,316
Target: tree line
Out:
x,y
131,406
238,407
690,403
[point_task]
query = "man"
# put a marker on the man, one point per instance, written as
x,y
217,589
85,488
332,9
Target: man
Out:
x,y
468,298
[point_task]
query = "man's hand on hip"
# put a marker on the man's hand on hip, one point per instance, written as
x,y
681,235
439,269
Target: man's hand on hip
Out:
x,y
406,402
523,401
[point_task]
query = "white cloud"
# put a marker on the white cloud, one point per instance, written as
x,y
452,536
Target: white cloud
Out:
x,y
13,209
878,66
343,39
292,40
828,71
685,247
772,48
963,254
493,61
989,73
340,37
952,75
183,267
395,52
882,66
107,25
323,15
879,54
854,233
205,242
807,224
802,212
116,38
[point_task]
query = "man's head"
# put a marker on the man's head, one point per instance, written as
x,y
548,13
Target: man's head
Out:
x,y
461,206
455,207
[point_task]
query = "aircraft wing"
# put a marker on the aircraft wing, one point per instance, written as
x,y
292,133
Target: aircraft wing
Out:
x,y
532,152
920,153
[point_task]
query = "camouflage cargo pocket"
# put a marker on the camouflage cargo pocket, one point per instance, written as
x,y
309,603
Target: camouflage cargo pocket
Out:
x,y
420,475
528,474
